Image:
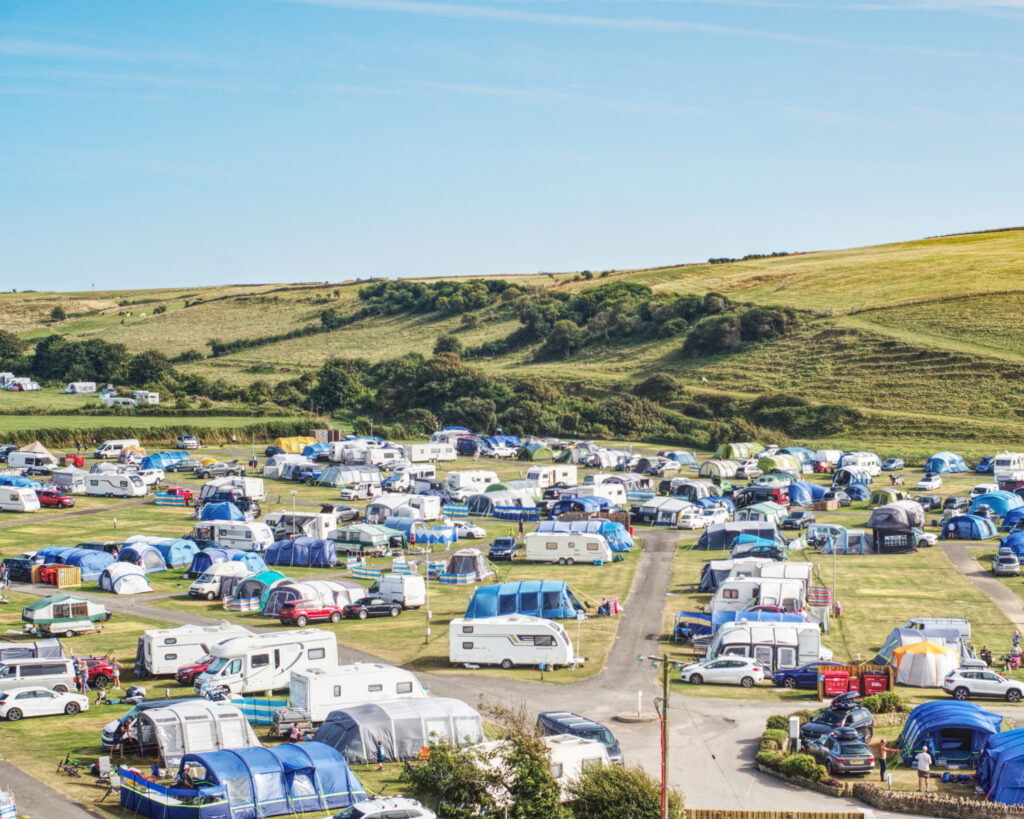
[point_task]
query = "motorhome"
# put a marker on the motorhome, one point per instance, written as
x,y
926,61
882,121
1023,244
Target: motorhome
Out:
x,y
409,590
566,548
1008,467
247,535
219,580
110,401
123,485
868,461
774,645
162,651
239,484
546,476
401,479
112,448
313,694
509,640
286,524
144,397
18,499
265,662
422,453
469,481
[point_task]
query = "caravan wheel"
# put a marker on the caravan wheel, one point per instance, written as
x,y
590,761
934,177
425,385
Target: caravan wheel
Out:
x,y
569,561
506,664
561,561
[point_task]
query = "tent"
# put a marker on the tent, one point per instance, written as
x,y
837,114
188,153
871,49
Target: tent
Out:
x,y
124,578
858,491
143,554
848,476
162,460
802,453
294,445
552,599
851,542
949,638
617,535
466,562
195,727
528,489
956,731
259,585
886,494
680,456
177,552
1014,541
1011,518
302,551
587,505
221,511
21,482
37,448
764,511
968,527
312,450
415,530
924,664
740,451
1001,769
747,544
714,572
535,452
942,462
900,515
1001,502
722,535
49,648
91,562
324,592
780,461
802,493
404,727
366,536
207,557
484,504
719,469
691,489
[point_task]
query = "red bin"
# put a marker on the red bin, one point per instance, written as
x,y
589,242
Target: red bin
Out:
x,y
835,683
874,683
853,685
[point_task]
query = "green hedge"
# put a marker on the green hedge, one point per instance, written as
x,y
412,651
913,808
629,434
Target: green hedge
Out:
x,y
886,702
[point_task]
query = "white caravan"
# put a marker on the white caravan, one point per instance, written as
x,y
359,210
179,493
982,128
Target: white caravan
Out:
x,y
247,535
112,448
1008,467
421,453
31,460
123,485
146,397
741,593
284,524
80,387
546,476
408,590
868,461
609,490
773,645
313,694
162,651
829,456
265,662
18,499
469,482
566,548
239,484
219,580
509,640
421,507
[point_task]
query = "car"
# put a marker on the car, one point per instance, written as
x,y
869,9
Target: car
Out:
x,y
839,496
384,808
955,502
889,464
714,515
188,441
923,538
503,548
272,450
32,701
986,465
929,503
181,492
363,491
806,676
54,497
469,530
929,482
7,449
969,681
150,477
983,510
798,520
982,489
749,470
341,512
842,752
20,568
844,712
186,675
184,465
371,607
821,467
100,670
300,612
1005,564
554,723
219,469
730,670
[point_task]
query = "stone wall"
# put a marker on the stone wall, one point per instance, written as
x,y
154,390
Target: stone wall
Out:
x,y
932,804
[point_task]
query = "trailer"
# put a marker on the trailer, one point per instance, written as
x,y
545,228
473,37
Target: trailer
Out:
x,y
65,615
510,640
162,651
567,548
430,452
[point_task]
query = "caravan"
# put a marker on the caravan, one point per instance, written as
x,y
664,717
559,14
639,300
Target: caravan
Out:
x,y
264,662
285,525
613,492
1009,468
18,499
567,548
773,645
238,484
867,461
424,453
509,640
741,593
247,535
468,482
162,651
123,485
545,476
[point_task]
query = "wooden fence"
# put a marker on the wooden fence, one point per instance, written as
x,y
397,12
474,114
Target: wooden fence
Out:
x,y
768,814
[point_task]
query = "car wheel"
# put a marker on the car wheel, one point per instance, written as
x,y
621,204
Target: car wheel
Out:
x,y
335,617
210,596
14,715
362,614
868,733
395,611
828,766
99,681
961,693
72,708
747,682
1013,695
206,475
789,682
61,689
60,504
301,620
506,664
69,634
696,679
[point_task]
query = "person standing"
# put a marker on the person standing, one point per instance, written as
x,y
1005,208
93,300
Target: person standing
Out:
x,y
83,676
380,755
923,763
883,757
115,679
520,527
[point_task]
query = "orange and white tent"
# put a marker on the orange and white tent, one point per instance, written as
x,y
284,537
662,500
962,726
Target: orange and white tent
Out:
x,y
924,664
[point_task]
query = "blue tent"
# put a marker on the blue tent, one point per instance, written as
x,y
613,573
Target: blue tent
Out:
x,y
801,453
590,505
90,561
312,450
851,476
681,457
221,511
707,503
1000,750
1011,518
416,531
162,460
145,555
541,598
302,551
1015,541
20,482
968,527
177,552
616,534
802,493
858,492
207,557
956,731
942,462
1001,502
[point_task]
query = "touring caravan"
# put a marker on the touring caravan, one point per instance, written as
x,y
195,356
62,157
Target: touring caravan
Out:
x,y
238,484
773,645
429,453
868,461
124,485
32,460
18,499
566,548
265,662
286,524
112,449
509,640
1008,467
146,397
80,387
546,476
162,651
467,482
247,535
740,593
609,490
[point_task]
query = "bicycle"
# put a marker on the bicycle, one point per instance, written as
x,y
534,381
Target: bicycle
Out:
x,y
70,766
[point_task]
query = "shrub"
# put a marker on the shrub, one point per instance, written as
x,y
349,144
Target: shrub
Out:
x,y
779,722
776,735
768,745
891,701
770,759
803,766
614,791
872,703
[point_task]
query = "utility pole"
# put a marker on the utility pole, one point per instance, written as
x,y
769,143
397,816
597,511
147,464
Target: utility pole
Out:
x,y
661,705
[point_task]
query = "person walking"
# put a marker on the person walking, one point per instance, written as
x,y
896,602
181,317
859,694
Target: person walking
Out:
x,y
380,756
521,527
883,757
115,679
83,676
923,763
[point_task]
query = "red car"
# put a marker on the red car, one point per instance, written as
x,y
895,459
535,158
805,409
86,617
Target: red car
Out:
x,y
187,674
54,497
181,492
300,612
101,671
822,466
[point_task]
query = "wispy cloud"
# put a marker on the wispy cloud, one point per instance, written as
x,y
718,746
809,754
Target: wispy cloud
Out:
x,y
126,78
52,50
822,117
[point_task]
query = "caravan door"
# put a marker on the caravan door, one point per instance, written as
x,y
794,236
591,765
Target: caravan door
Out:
x,y
765,656
785,657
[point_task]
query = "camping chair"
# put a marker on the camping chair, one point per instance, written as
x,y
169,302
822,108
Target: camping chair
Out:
x,y
113,785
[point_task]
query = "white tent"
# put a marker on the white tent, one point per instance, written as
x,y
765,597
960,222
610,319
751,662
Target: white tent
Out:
x,y
326,592
124,578
196,727
924,664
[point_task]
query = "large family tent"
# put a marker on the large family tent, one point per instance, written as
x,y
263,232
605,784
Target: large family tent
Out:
x,y
802,453
551,599
802,493
719,469
617,535
302,551
1001,502
779,462
1015,542
949,638
21,482
1001,769
738,451
968,527
49,648
91,562
722,536
369,537
485,504
224,510
194,727
294,445
690,489
858,491
924,664
176,552
466,562
259,586
682,457
956,731
588,505
207,557
849,476
898,516
143,554
124,578
714,572
311,451
528,489
535,452
663,510
942,462
1011,518
322,592
415,530
766,511
403,727
162,460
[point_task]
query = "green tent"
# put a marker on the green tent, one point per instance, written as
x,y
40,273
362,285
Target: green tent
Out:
x,y
738,451
535,452
766,511
780,461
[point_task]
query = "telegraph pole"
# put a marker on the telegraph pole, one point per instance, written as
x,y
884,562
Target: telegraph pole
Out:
x,y
661,705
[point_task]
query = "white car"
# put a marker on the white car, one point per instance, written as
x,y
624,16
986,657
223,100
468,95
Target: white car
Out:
x,y
716,514
691,519
964,683
385,808
501,451
468,530
151,476
925,538
354,493
982,489
729,670
33,701
929,482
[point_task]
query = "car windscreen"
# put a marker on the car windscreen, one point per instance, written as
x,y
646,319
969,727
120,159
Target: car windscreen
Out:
x,y
830,717
602,735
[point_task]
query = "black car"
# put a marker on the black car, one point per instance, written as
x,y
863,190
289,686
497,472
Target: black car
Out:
x,y
371,607
184,465
502,548
20,568
839,496
930,503
798,520
844,712
272,450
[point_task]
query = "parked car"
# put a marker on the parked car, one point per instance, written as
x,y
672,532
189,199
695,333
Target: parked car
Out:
x,y
54,497
986,465
20,568
31,701
188,442
821,467
371,607
219,469
730,670
7,449
955,502
923,538
552,723
798,520
844,712
982,488
341,512
929,482
1005,564
889,464
839,496
749,470
503,548
184,465
300,612
100,670
716,514
967,682
806,676
186,675
929,503
363,491
842,752
272,450
384,807
469,531
983,510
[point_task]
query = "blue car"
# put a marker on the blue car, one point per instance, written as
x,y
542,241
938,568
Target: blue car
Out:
x,y
986,465
806,676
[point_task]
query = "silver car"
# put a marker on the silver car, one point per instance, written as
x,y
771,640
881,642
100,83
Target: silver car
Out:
x,y
1005,564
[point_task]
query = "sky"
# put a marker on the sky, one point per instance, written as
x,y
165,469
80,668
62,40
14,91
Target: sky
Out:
x,y
195,142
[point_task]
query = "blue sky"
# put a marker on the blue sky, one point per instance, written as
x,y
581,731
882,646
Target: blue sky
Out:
x,y
211,141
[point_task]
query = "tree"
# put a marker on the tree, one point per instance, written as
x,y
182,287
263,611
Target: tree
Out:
x,y
452,779
12,349
658,387
147,368
339,384
614,791
58,314
527,778
447,344
565,338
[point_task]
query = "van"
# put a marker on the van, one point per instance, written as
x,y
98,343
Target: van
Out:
x,y
553,723
509,640
124,485
219,580
56,674
265,662
112,448
18,499
247,535
409,590
162,651
566,548
31,460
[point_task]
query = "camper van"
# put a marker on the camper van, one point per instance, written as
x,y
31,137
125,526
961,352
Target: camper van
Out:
x,y
546,476
566,548
406,589
124,485
264,662
247,535
773,645
112,448
219,580
1008,468
469,482
313,694
401,479
162,651
429,453
239,484
509,640
18,499
285,525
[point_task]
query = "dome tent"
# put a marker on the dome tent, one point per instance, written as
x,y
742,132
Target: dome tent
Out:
x,y
259,585
221,511
956,731
924,664
91,562
302,551
944,462
124,578
968,527
207,557
858,492
176,552
143,554
1011,518
466,562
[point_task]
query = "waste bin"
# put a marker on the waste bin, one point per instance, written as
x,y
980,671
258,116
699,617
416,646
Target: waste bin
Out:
x,y
854,684
874,683
835,683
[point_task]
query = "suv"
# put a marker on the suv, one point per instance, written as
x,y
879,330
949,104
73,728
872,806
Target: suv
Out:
x,y
184,465
20,568
749,470
955,502
385,808
798,520
842,751
929,502
964,683
844,712
551,723
502,548
100,671
300,612
188,442
219,469
186,674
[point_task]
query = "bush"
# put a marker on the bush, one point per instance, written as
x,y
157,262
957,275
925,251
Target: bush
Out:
x,y
770,759
614,792
804,767
776,735
890,701
778,722
768,745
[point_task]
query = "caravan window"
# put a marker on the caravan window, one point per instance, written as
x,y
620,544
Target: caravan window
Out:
x,y
316,654
592,547
550,545
259,660
467,629
170,641
403,688
337,690
543,640
170,656
731,594
556,770
376,688
467,645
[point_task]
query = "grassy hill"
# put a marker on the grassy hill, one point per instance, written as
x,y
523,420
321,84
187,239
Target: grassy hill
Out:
x,y
917,338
